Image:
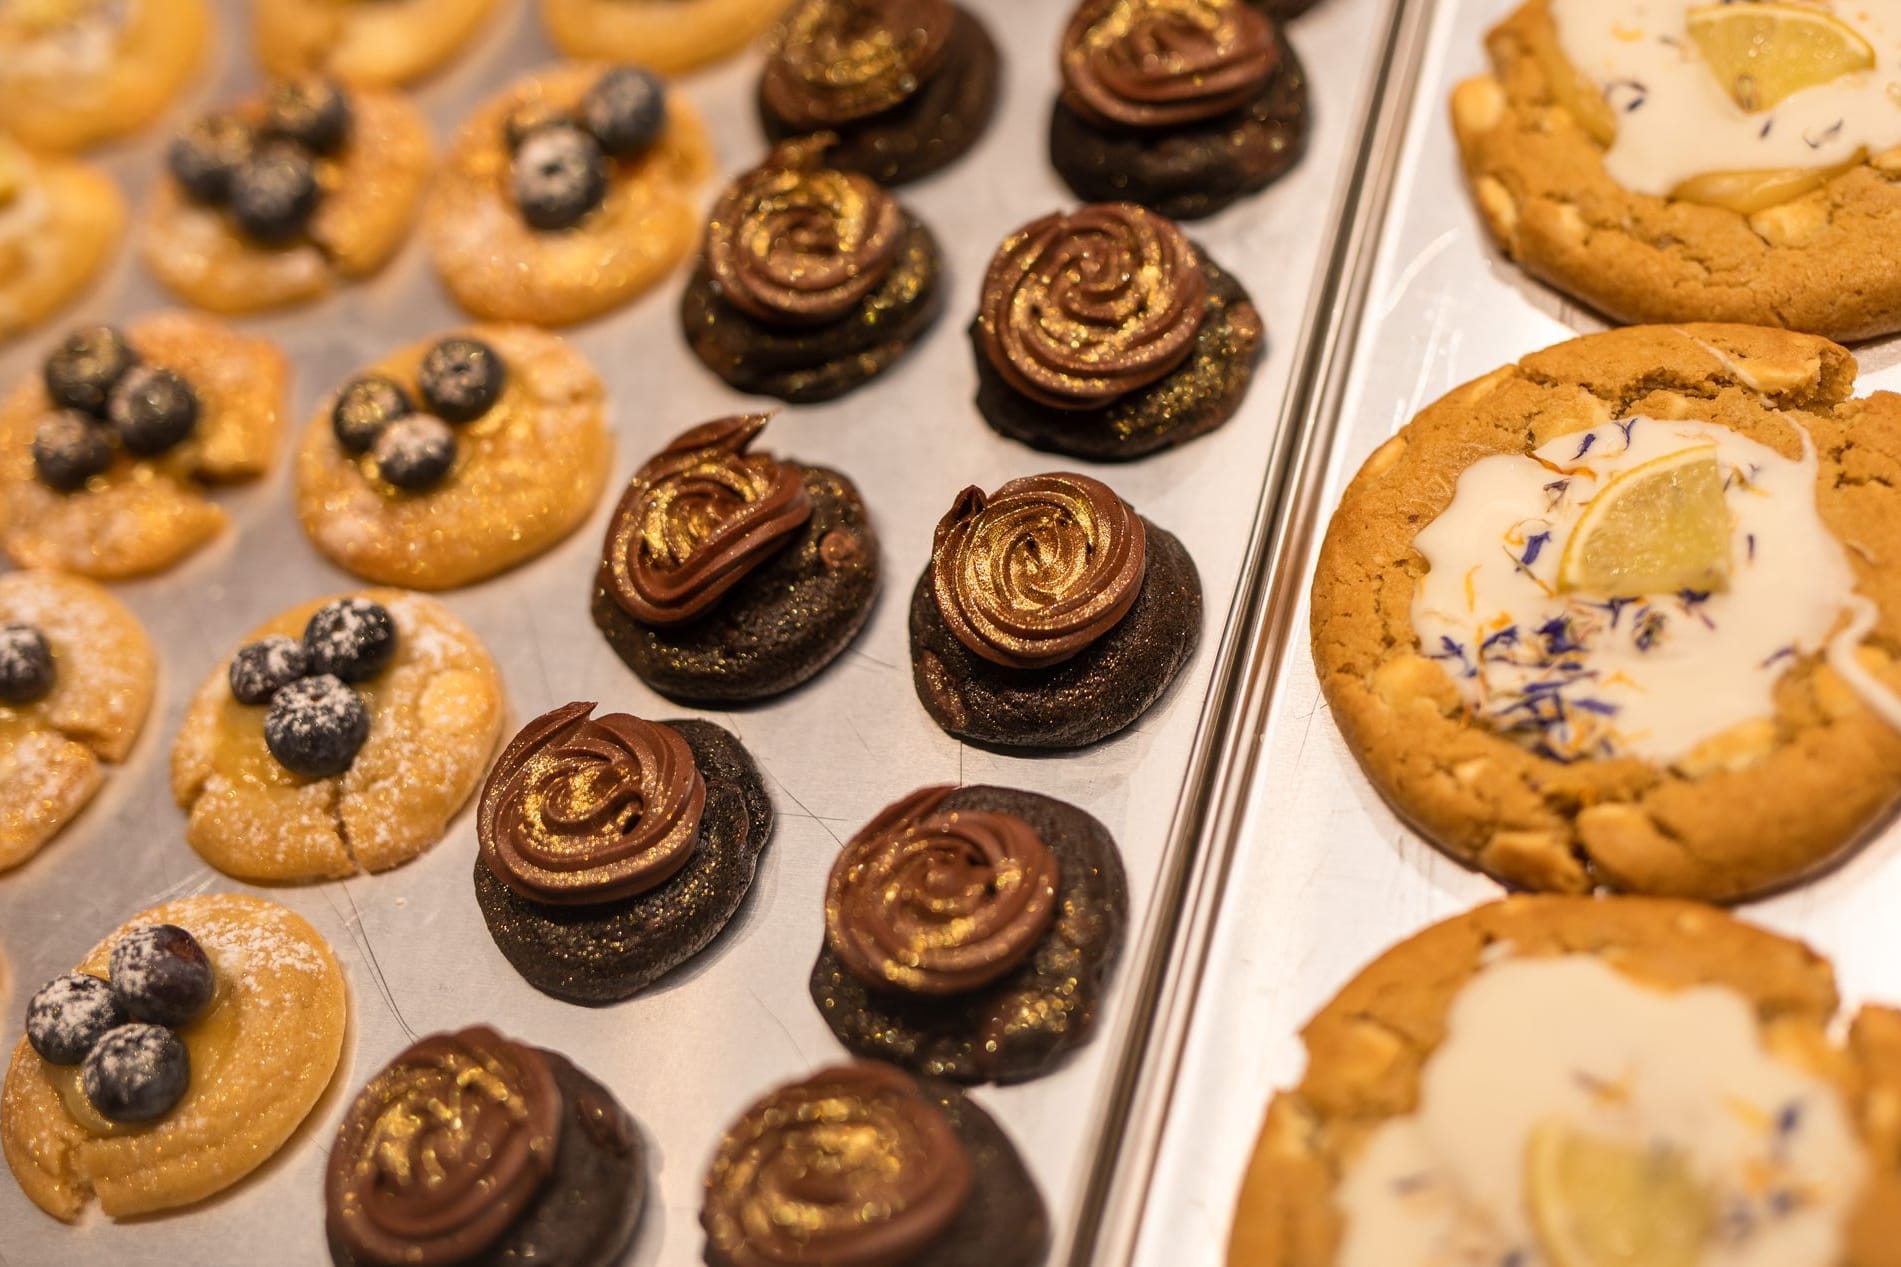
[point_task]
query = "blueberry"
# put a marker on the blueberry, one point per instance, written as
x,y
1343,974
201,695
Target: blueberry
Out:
x,y
260,670
160,974
136,1073
204,156
69,1015
68,450
273,194
315,726
153,409
352,638
415,452
364,407
82,371
460,379
26,665
530,117
625,111
559,175
311,112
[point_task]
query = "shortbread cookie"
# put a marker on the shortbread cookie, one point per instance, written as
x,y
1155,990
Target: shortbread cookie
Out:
x,y
404,479
384,44
109,455
567,194
1673,1086
59,223
75,72
1707,211
1685,689
76,679
341,741
671,36
260,1055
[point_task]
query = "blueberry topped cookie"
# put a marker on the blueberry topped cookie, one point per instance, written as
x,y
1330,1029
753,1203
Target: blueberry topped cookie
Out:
x,y
671,36
76,72
59,223
382,45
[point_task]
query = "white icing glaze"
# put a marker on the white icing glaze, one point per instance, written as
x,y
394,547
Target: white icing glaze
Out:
x,y
1572,1040
1638,51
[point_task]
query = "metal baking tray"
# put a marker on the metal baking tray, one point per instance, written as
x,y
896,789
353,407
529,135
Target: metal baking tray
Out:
x,y
1311,875
686,1056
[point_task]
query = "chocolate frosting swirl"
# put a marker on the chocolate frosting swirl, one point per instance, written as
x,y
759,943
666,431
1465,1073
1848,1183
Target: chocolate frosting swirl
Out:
x,y
854,1167
939,903
796,242
443,1150
582,809
1160,63
1084,308
833,61
1034,573
697,518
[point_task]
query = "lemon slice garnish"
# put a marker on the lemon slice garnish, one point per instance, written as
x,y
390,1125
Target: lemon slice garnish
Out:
x,y
1763,52
1657,528
1599,1203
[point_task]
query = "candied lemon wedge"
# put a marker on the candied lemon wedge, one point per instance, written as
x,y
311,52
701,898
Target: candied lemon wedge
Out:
x,y
1657,528
1596,1202
1761,53
1746,193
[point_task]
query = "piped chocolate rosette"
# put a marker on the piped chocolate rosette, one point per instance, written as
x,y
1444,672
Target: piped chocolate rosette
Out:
x,y
1181,105
860,1165
470,1148
1051,614
812,281
729,574
1105,333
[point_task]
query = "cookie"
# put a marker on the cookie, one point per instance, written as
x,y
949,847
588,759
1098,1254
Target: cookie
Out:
x,y
382,45
615,849
109,456
1221,112
730,575
279,200
1611,196
76,680
671,36
970,933
1070,364
413,688
1112,615
469,1148
914,1173
1710,732
905,87
605,226
812,282
379,499
59,223
260,1056
1641,1032
77,72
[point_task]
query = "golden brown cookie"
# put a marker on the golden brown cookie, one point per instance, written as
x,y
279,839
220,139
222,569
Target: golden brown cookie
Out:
x,y
671,36
144,514
501,268
434,715
1758,804
75,72
384,44
261,1055
1817,261
526,472
52,749
59,223
1368,1047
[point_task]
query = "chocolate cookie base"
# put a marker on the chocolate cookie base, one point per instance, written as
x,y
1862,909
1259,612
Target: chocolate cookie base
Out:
x,y
600,954
1088,697
586,1212
803,364
928,131
1196,397
780,625
1191,171
1281,10
1019,1026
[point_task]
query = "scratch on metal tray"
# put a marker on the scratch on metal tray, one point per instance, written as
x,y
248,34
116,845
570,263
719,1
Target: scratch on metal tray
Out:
x,y
360,935
790,1040
875,660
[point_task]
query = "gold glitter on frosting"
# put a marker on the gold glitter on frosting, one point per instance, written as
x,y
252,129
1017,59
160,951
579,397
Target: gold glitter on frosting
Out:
x,y
1159,63
833,61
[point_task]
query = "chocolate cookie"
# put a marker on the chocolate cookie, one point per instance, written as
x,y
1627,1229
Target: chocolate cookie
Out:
x,y
768,572
1221,113
906,86
969,933
615,849
1115,616
1069,365
515,1156
813,280
922,1176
